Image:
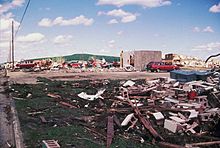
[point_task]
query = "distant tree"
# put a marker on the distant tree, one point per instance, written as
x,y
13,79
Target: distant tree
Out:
x,y
58,59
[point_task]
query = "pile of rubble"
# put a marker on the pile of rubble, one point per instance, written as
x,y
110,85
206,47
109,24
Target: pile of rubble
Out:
x,y
162,107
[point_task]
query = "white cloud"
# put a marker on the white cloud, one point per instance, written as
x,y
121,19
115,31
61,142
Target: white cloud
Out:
x,y
79,20
7,6
129,18
104,51
62,39
4,44
113,21
208,29
6,22
5,29
196,29
120,32
31,38
45,22
209,46
119,13
111,43
215,8
5,36
144,3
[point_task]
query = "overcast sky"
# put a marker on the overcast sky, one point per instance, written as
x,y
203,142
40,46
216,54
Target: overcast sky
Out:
x,y
63,27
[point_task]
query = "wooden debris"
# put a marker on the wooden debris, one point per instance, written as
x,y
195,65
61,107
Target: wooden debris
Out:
x,y
43,120
110,131
145,122
203,143
53,96
35,113
169,145
67,104
50,144
96,132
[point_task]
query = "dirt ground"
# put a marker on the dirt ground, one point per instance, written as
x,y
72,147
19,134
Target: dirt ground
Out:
x,y
31,77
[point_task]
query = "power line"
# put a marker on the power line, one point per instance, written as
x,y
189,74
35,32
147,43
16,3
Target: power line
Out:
x,y
23,16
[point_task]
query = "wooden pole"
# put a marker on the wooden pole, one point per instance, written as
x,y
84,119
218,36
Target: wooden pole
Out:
x,y
9,55
12,44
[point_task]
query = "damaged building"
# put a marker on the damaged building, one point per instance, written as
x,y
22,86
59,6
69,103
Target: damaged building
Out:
x,y
139,58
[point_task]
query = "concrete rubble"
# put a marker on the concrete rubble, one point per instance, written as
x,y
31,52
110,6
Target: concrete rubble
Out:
x,y
163,106
188,110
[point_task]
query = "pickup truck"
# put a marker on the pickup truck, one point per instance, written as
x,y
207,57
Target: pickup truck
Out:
x,y
158,66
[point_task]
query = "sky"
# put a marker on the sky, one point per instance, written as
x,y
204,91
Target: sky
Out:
x,y
105,27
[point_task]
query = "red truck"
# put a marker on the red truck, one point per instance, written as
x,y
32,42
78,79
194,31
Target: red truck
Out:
x,y
158,66
26,64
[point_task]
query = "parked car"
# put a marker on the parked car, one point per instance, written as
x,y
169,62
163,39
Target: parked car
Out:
x,y
158,66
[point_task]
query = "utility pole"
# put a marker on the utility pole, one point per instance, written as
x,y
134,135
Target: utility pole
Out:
x,y
12,44
9,55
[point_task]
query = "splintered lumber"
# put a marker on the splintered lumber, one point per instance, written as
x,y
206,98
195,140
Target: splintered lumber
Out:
x,y
145,122
53,95
110,130
204,143
169,145
67,104
35,113
94,131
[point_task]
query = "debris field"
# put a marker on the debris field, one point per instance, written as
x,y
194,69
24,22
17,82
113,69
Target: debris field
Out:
x,y
161,112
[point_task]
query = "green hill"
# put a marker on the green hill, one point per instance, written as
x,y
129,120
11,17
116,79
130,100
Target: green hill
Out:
x,y
85,57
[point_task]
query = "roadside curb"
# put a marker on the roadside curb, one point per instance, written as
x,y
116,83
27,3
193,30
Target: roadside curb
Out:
x,y
16,127
18,138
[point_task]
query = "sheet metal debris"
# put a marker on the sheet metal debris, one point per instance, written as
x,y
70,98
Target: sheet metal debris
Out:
x,y
85,96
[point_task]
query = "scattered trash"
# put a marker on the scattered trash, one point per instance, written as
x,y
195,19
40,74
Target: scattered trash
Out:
x,y
84,95
128,83
50,144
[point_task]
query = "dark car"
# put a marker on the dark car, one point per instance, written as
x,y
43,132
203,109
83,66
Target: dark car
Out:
x,y
158,66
